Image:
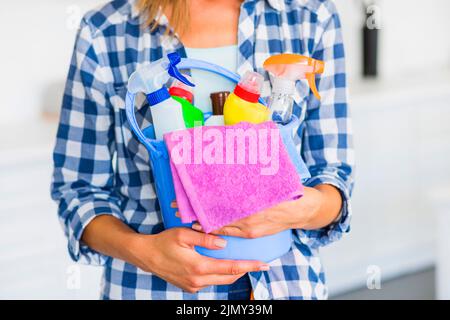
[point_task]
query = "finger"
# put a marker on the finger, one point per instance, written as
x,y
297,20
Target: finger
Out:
x,y
230,231
177,214
197,227
208,241
174,204
232,267
214,279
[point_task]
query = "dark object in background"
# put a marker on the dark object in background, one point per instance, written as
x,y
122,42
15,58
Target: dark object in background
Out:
x,y
370,51
218,100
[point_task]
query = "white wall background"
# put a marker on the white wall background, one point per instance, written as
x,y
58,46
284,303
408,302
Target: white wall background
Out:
x,y
401,136
37,39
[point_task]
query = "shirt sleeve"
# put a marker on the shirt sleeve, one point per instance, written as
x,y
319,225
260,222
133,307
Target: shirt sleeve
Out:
x,y
82,183
327,140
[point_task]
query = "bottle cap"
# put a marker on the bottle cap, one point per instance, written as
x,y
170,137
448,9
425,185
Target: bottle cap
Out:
x,y
249,87
181,89
182,93
252,82
218,101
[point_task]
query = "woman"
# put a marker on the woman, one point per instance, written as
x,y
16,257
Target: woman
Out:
x,y
102,179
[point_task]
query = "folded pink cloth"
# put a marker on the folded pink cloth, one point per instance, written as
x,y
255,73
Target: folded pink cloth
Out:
x,y
223,174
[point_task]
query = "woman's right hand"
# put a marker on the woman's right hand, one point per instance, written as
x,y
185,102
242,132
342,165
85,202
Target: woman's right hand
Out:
x,y
171,256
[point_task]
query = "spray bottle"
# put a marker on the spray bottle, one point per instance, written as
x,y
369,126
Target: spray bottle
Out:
x,y
287,69
242,104
182,93
167,114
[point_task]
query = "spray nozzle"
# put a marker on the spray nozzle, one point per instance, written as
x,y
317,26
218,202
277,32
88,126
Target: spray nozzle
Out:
x,y
152,77
293,67
174,59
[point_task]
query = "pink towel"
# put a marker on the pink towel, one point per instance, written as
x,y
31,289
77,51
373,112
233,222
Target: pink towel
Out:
x,y
223,174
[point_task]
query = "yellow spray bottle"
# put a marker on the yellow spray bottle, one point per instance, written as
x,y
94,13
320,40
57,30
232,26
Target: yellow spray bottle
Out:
x,y
242,104
287,69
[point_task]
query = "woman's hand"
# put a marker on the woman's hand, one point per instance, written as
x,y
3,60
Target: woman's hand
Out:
x,y
318,207
171,256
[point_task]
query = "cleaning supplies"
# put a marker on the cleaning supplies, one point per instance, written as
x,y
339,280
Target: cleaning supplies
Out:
x,y
167,113
242,104
287,69
183,94
227,185
264,249
217,101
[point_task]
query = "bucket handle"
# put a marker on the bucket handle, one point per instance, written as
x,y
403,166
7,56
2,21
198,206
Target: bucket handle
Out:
x,y
131,117
185,63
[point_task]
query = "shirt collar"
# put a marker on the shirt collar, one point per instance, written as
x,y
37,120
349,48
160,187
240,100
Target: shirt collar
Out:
x,y
280,5
276,4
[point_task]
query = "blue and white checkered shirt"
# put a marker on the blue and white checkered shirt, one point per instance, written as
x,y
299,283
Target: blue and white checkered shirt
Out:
x,y
101,168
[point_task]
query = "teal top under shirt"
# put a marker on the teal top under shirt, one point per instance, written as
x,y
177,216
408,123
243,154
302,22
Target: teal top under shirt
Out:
x,y
207,82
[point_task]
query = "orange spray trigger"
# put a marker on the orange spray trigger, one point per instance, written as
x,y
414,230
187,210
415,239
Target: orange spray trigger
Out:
x,y
294,67
319,67
311,77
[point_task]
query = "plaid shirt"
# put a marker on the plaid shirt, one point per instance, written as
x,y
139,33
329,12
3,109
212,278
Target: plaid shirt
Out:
x,y
101,168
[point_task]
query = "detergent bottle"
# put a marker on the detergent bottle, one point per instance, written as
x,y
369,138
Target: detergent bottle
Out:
x,y
167,113
242,104
182,93
287,69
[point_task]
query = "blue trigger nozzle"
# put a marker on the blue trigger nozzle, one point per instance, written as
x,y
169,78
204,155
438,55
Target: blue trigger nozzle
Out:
x,y
174,59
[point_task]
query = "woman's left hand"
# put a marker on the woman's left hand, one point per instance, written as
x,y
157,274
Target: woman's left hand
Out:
x,y
301,213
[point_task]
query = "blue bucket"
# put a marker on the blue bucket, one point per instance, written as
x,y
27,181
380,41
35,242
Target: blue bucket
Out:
x,y
263,249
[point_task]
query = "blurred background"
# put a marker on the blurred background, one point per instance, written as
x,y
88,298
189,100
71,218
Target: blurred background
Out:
x,y
399,82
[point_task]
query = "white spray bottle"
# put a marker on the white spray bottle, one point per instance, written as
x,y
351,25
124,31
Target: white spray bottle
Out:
x,y
287,69
167,113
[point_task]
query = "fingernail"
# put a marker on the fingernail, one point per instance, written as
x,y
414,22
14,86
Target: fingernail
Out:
x,y
197,227
221,243
264,267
